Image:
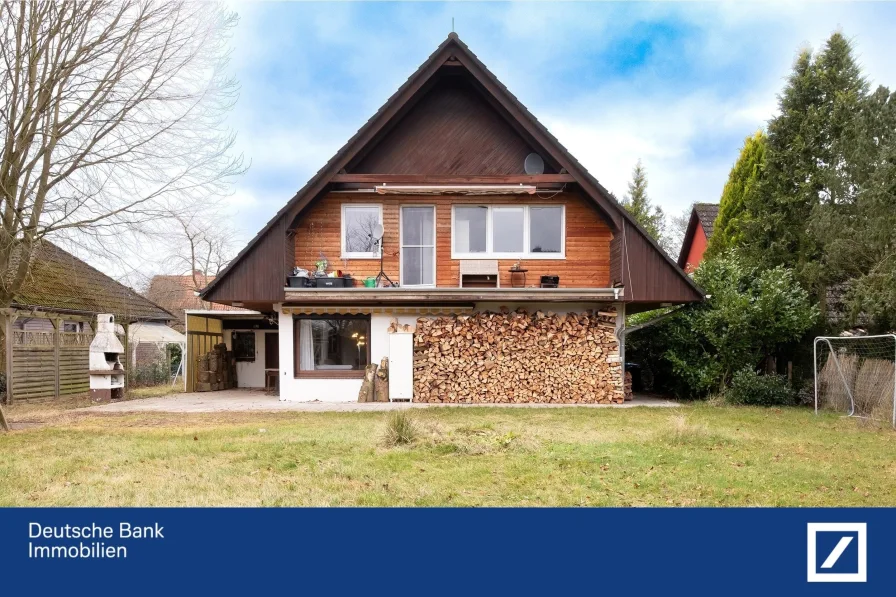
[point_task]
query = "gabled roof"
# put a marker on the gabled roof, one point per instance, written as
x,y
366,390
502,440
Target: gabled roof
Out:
x,y
703,215
59,281
707,213
177,293
455,53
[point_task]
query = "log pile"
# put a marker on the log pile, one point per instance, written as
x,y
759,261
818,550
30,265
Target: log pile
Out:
x,y
518,357
216,370
627,386
375,387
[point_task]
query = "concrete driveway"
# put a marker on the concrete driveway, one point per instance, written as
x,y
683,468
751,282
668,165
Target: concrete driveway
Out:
x,y
243,400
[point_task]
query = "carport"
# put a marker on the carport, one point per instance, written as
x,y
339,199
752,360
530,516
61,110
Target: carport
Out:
x,y
252,336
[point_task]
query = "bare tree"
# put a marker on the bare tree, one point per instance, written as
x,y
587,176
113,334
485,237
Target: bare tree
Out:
x,y
676,230
202,247
359,233
112,115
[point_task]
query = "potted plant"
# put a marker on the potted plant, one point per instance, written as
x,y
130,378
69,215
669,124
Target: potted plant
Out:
x,y
321,264
298,278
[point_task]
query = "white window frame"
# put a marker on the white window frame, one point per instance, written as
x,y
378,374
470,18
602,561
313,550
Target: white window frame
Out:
x,y
435,245
356,254
489,234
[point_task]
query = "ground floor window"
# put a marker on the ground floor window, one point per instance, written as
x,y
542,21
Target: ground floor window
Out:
x,y
332,345
243,346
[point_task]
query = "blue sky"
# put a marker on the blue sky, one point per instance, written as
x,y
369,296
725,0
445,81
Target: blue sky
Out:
x,y
678,85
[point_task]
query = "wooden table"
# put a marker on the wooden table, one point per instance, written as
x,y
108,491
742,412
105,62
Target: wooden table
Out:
x,y
271,379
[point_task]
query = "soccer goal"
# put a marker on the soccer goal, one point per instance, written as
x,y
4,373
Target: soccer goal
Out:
x,y
856,375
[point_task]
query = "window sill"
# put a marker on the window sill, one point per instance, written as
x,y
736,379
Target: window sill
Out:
x,y
335,374
509,256
351,256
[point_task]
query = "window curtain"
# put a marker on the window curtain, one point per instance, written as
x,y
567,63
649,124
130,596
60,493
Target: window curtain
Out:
x,y
306,345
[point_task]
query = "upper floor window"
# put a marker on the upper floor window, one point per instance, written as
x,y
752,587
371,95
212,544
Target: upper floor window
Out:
x,y
508,231
358,224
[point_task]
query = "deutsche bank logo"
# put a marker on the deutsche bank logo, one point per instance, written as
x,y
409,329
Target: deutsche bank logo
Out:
x,y
837,551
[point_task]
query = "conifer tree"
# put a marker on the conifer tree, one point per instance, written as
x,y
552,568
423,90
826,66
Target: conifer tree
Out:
x,y
743,182
637,203
806,162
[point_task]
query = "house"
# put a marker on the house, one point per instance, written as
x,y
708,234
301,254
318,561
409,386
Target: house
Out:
x,y
49,326
461,183
703,217
176,294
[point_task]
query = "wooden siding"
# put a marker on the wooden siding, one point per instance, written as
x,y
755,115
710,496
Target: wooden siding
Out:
x,y
259,274
647,275
587,263
451,130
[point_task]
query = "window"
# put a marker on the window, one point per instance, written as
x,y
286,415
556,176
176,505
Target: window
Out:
x,y
243,345
358,224
332,345
508,231
546,229
418,245
470,223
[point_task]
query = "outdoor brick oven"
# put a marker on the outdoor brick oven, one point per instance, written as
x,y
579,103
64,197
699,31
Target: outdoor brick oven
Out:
x,y
106,372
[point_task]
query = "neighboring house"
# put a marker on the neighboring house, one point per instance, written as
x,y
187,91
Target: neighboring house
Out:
x,y
699,231
49,326
179,293
441,168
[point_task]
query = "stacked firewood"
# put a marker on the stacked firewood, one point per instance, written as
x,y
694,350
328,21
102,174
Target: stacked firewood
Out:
x,y
216,370
627,386
518,357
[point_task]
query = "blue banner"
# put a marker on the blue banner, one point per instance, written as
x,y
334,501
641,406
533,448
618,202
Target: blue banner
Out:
x,y
163,551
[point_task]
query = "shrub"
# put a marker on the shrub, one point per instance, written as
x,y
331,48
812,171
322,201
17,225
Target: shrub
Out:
x,y
752,313
749,387
400,429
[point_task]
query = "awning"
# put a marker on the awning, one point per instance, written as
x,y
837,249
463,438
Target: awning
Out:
x,y
146,331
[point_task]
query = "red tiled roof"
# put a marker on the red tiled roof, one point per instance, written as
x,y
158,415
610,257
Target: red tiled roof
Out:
x,y
177,293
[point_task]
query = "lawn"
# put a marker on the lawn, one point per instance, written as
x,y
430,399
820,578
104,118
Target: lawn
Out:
x,y
697,455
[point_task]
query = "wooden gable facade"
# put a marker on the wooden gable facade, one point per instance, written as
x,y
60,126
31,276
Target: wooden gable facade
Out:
x,y
454,125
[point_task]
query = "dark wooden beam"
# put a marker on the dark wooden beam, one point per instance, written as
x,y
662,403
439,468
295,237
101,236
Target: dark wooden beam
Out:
x,y
439,179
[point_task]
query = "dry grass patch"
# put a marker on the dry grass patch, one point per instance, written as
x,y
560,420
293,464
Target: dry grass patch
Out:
x,y
696,455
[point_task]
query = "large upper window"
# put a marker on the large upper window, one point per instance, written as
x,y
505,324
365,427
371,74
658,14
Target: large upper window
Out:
x,y
332,345
508,231
358,224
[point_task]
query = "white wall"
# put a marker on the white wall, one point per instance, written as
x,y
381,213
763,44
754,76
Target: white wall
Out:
x,y
329,390
249,374
346,390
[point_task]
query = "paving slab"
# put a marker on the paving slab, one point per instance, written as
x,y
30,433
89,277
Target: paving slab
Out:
x,y
244,400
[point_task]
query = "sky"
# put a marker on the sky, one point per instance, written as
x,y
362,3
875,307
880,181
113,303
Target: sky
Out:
x,y
677,85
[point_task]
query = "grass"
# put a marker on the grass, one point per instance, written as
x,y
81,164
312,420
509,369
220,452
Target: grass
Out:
x,y
693,456
59,410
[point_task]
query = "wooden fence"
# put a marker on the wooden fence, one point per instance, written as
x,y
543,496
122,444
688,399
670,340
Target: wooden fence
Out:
x,y
50,364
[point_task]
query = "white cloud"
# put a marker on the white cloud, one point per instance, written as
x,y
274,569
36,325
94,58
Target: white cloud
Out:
x,y
335,65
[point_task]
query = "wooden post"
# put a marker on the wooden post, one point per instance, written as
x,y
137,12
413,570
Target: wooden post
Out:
x,y
4,426
127,363
9,320
57,340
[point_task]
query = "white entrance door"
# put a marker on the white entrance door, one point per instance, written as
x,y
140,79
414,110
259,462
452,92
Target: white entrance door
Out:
x,y
418,245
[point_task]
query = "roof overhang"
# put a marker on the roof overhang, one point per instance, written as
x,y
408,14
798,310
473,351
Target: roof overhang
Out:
x,y
221,314
407,296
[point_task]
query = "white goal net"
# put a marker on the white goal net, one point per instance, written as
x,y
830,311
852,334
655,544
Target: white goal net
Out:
x,y
856,375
